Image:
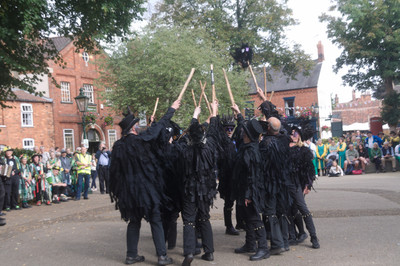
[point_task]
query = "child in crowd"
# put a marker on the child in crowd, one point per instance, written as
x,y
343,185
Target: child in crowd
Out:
x,y
335,170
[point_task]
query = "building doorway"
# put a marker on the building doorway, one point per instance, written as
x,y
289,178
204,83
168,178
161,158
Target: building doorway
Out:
x,y
94,140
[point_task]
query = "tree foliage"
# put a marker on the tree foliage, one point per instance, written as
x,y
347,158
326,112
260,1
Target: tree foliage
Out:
x,y
259,23
157,64
26,27
369,34
390,112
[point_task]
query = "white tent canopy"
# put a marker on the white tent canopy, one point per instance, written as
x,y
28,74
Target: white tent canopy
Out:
x,y
360,126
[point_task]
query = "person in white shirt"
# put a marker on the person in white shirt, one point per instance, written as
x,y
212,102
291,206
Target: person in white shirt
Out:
x,y
335,170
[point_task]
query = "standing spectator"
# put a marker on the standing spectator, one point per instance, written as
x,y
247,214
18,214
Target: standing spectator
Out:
x,y
69,153
342,151
12,182
364,157
321,151
383,138
370,140
52,161
26,184
93,167
351,158
375,155
394,139
388,155
2,195
397,152
66,167
335,170
332,150
103,163
83,162
45,155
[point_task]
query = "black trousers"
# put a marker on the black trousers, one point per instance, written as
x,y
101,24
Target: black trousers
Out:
x,y
58,190
271,221
190,212
2,194
298,200
103,175
169,219
41,192
255,230
228,208
12,192
157,232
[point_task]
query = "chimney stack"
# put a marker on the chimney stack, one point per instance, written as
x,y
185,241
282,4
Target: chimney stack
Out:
x,y
336,99
321,54
354,95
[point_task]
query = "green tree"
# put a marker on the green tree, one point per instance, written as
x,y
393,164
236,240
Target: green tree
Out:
x,y
26,27
259,23
390,111
369,34
157,64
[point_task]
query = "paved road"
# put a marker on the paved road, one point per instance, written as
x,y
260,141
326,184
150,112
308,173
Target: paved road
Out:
x,y
357,220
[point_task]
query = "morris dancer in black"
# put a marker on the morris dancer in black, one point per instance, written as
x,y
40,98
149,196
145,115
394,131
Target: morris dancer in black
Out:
x,y
303,176
274,149
248,188
136,184
198,185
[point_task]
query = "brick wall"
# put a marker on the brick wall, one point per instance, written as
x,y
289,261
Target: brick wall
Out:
x,y
359,110
303,98
66,114
12,133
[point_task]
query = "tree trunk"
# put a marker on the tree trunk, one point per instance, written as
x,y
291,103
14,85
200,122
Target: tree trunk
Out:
x,y
388,85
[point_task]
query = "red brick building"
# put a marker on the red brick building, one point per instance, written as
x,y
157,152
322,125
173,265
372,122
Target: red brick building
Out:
x,y
297,95
57,119
28,123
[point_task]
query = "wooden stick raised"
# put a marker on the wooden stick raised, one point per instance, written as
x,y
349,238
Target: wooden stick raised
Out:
x,y
202,91
194,99
208,103
229,88
272,94
186,84
265,80
214,96
155,108
254,77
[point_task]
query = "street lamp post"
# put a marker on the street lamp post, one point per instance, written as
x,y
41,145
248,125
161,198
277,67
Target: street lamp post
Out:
x,y
82,103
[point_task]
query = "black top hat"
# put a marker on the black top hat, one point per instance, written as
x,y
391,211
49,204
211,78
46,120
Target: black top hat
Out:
x,y
253,129
36,154
128,122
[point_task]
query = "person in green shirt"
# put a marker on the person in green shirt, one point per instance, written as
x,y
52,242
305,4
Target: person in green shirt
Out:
x,y
322,151
58,188
342,152
375,156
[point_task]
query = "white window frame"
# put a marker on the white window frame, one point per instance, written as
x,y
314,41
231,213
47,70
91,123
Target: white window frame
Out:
x,y
85,57
65,91
89,92
73,138
27,112
28,147
108,91
112,132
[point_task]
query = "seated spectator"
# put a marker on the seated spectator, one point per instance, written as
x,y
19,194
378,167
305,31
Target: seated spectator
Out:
x,y
394,139
375,155
332,150
57,186
335,170
364,158
352,158
397,152
370,140
388,155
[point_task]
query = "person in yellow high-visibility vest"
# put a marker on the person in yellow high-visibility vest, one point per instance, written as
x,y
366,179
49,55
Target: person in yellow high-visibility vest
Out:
x,y
83,161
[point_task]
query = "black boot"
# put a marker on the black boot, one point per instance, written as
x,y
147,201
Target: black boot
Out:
x,y
245,249
261,254
188,260
315,242
209,256
132,260
164,260
231,231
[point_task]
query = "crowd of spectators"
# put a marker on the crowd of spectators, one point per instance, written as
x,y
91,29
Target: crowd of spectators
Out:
x,y
351,153
50,177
